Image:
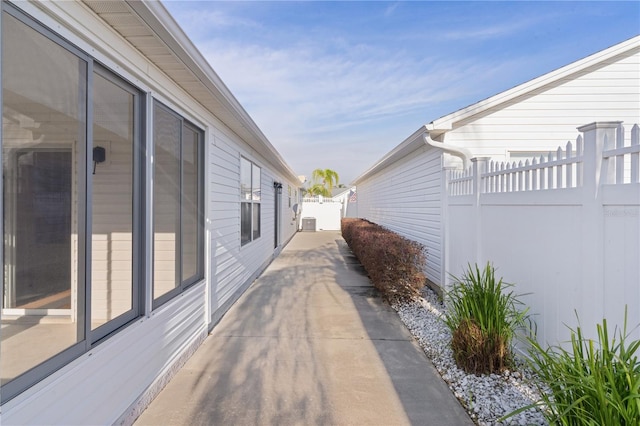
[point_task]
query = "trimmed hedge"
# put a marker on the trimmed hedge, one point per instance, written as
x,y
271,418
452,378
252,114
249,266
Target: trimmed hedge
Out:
x,y
394,264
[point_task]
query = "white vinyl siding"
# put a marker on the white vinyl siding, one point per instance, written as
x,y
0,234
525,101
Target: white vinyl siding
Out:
x,y
232,265
547,117
405,197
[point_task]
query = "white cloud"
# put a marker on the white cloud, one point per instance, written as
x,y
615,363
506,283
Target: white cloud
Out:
x,y
332,86
202,20
491,30
392,8
307,101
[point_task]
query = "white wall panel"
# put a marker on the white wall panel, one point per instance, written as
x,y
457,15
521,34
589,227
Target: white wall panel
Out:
x,y
548,117
233,266
406,198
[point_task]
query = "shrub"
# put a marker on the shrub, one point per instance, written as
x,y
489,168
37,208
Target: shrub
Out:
x,y
394,264
592,384
483,320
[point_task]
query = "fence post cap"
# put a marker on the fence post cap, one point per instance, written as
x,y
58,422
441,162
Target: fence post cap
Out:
x,y
599,125
476,159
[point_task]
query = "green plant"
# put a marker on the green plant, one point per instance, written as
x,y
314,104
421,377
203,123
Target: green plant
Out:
x,y
483,318
317,189
590,384
394,264
324,178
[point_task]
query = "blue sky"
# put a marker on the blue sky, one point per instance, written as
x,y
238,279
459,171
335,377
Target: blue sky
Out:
x,y
339,84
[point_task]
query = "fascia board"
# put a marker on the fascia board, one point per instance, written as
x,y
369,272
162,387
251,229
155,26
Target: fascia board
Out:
x,y
407,146
447,122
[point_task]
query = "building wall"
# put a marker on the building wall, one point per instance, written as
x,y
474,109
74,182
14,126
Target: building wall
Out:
x,y
571,250
406,197
112,381
548,117
233,266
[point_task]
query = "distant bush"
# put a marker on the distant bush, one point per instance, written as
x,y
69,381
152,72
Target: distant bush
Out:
x,y
483,319
394,264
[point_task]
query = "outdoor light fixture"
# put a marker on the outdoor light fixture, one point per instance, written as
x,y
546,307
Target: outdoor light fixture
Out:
x,y
99,156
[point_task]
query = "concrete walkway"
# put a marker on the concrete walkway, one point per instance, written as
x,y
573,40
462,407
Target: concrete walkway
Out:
x,y
309,343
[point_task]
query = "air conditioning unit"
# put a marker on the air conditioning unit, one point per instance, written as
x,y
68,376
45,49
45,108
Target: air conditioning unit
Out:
x,y
308,224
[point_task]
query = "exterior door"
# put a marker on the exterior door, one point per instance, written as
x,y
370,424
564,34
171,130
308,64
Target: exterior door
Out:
x,y
276,213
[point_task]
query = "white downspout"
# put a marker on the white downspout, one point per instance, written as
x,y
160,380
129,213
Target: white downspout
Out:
x,y
463,153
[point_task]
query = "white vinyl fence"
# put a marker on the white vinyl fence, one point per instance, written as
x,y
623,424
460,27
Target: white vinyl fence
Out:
x,y
564,228
326,212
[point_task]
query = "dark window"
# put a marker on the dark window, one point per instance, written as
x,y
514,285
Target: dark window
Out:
x,y
178,212
250,193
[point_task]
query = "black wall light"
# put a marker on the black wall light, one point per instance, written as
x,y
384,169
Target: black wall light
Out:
x,y
99,156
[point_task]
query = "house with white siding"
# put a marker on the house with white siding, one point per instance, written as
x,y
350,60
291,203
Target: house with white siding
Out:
x,y
404,191
139,201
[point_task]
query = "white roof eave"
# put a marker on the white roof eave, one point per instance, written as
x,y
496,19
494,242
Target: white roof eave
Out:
x,y
156,16
407,146
447,122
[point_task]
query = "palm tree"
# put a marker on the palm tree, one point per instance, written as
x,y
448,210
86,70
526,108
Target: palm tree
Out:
x,y
327,178
318,189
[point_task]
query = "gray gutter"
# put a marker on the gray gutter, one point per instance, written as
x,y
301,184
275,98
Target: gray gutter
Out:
x,y
412,143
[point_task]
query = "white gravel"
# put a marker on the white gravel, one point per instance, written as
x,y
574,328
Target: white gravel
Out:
x,y
486,398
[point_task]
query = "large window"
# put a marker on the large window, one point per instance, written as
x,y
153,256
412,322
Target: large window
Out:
x,y
70,224
178,227
115,200
250,204
73,203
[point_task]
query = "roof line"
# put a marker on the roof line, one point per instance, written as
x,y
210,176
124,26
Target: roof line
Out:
x,y
404,148
445,122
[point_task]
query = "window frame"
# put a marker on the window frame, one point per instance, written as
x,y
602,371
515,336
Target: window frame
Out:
x,y
252,202
199,275
138,209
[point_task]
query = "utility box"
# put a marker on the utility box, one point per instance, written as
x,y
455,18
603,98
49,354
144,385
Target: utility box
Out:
x,y
308,224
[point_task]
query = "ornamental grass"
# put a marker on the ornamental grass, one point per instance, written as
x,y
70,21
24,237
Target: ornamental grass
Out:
x,y
483,318
592,383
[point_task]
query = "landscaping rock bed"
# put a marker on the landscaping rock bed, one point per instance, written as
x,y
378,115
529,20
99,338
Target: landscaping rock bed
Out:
x,y
486,398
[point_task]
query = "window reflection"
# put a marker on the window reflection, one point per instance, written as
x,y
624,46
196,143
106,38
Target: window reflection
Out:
x,y
166,200
177,204
250,193
112,198
43,136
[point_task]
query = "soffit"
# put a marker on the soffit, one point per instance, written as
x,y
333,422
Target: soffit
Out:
x,y
132,28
